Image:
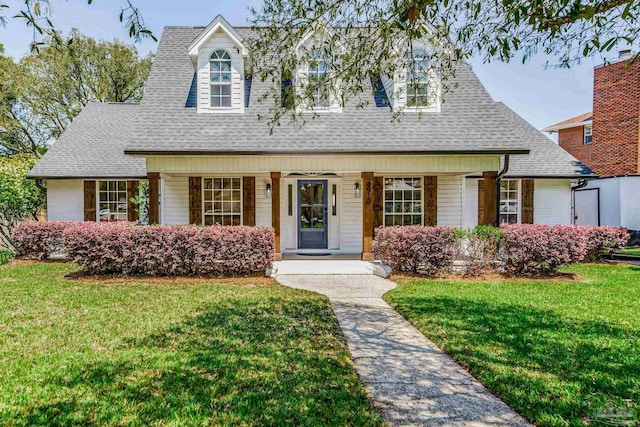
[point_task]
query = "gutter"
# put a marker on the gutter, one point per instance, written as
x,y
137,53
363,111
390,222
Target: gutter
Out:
x,y
489,151
505,169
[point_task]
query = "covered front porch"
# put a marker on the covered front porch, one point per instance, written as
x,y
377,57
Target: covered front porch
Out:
x,y
320,205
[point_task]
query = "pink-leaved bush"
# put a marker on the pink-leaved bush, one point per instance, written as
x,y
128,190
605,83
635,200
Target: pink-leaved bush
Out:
x,y
123,249
428,250
538,250
604,240
39,239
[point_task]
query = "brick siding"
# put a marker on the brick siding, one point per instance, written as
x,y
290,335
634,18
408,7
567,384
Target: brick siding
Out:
x,y
572,140
616,114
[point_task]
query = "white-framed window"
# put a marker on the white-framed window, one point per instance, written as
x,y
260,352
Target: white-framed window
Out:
x,y
222,201
418,90
588,130
403,201
220,76
509,201
318,77
112,201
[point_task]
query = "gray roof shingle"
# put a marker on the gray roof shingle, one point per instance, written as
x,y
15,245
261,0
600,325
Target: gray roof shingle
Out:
x,y
166,121
92,146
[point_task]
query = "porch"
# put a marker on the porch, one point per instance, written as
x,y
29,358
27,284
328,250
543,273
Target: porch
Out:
x,y
321,205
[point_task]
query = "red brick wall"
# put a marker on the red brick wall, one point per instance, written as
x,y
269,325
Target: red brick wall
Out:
x,y
572,140
616,113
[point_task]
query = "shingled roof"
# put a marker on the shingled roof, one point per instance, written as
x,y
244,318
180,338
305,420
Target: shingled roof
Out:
x,y
581,120
166,122
93,146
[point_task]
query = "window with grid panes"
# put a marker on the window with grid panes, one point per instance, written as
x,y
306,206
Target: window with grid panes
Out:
x,y
402,201
112,201
509,201
220,73
222,201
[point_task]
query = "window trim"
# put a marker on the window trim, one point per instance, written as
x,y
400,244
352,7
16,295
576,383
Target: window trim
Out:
x,y
202,192
384,200
229,84
518,192
98,192
585,135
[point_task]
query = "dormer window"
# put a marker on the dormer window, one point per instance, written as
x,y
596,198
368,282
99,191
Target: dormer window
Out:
x,y
318,78
418,80
220,73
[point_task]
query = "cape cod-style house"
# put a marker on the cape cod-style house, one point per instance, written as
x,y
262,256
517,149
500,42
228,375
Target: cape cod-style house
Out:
x,y
324,186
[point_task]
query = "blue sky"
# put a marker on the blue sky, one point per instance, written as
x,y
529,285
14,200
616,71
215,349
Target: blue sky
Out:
x,y
542,96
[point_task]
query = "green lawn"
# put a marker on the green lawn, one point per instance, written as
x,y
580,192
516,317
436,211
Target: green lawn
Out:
x,y
629,251
130,353
555,351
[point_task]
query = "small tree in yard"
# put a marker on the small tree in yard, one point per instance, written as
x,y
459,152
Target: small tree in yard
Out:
x,y
20,198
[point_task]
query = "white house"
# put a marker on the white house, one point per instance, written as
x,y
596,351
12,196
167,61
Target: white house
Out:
x,y
325,186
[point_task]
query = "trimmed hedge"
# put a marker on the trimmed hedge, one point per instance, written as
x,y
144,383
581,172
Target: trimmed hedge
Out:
x,y
517,249
39,239
115,248
538,250
429,250
605,240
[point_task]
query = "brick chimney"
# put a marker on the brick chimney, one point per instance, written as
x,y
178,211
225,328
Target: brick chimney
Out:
x,y
616,117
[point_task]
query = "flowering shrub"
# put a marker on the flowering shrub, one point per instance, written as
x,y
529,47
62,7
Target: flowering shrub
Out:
x,y
604,240
538,250
116,248
430,250
39,239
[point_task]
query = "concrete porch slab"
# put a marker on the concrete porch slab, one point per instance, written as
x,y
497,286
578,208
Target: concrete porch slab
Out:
x,y
327,268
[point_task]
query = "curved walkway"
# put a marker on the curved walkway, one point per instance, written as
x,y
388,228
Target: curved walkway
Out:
x,y
409,379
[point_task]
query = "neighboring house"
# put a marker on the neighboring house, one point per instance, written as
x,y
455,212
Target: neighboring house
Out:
x,y
607,140
324,186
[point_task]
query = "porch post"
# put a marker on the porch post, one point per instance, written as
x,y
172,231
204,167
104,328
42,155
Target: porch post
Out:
x,y
275,211
490,197
367,216
154,197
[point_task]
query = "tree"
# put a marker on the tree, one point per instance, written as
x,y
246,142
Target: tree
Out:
x,y
48,88
366,39
20,198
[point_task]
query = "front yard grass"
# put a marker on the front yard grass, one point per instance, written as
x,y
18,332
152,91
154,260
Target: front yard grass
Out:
x,y
629,251
555,351
142,353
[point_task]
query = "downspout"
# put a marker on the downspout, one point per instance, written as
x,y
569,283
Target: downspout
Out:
x,y
505,169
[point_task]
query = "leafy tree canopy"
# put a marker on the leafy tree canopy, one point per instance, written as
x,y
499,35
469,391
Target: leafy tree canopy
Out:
x,y
20,198
372,37
47,89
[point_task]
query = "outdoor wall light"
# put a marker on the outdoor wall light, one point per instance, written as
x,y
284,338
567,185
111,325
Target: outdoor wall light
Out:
x,y
356,190
268,190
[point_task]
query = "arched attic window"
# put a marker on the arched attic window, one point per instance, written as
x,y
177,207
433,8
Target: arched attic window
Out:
x,y
220,72
418,79
318,75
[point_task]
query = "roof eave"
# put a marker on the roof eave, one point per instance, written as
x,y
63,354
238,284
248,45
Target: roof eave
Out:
x,y
567,126
488,151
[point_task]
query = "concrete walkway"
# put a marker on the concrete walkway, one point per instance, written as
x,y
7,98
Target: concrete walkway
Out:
x,y
409,379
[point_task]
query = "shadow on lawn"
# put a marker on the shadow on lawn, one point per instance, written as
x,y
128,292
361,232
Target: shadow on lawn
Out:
x,y
547,367
281,363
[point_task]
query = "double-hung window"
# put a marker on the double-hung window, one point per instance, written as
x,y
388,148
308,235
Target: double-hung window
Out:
x,y
112,201
509,201
418,80
318,79
588,130
220,73
222,201
402,201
